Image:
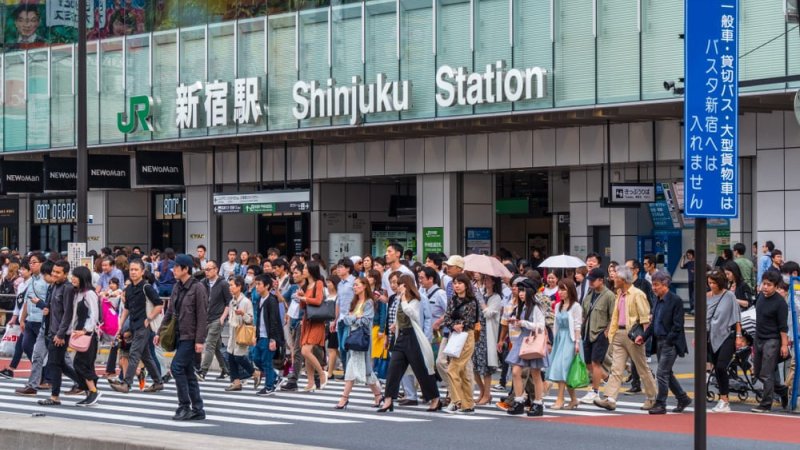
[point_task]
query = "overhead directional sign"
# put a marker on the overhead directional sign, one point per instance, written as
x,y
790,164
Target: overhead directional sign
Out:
x,y
632,193
262,202
711,109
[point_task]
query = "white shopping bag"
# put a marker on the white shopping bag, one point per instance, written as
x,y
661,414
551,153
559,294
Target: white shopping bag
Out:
x,y
9,341
455,343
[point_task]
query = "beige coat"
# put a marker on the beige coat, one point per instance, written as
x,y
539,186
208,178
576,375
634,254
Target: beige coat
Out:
x,y
245,305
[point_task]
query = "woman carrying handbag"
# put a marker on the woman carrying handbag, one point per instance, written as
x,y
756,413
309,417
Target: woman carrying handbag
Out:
x,y
83,336
242,336
359,356
528,354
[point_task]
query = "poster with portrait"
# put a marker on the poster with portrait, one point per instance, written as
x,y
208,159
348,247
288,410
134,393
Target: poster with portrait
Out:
x,y
25,26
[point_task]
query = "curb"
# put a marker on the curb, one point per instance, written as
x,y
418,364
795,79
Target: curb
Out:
x,y
47,433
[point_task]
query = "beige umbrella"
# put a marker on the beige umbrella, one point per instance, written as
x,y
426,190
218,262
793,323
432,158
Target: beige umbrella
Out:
x,y
486,265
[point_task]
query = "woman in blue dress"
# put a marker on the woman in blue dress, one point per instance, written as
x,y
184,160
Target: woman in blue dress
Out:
x,y
567,341
528,318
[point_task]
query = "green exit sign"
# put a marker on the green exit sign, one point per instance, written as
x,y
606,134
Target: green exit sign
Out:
x,y
259,208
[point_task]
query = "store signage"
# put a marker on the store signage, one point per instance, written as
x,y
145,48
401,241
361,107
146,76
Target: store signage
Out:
x,y
59,210
457,86
138,115
432,240
632,193
60,174
355,100
479,241
109,172
711,109
159,168
262,202
8,211
343,245
21,176
246,106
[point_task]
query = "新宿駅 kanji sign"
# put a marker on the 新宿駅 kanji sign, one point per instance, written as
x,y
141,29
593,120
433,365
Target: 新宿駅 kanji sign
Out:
x,y
711,109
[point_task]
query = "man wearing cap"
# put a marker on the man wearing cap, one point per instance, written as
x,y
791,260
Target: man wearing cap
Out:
x,y
189,303
359,265
598,306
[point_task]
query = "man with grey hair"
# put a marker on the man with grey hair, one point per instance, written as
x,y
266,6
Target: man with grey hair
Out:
x,y
626,335
670,342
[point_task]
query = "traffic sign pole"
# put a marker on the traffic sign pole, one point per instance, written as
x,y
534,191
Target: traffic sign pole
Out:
x,y
700,343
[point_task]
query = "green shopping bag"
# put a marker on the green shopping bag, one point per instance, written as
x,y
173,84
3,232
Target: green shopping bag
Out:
x,y
578,376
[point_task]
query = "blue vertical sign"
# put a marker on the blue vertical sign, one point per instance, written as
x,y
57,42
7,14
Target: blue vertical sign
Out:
x,y
711,108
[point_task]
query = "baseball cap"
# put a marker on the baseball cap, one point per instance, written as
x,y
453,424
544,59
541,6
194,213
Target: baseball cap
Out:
x,y
455,260
184,260
596,274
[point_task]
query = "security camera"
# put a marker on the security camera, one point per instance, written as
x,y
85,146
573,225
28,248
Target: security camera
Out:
x,y
669,85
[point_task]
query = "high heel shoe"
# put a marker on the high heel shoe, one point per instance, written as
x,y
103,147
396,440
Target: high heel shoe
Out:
x,y
378,401
311,388
342,406
438,406
572,405
323,381
386,408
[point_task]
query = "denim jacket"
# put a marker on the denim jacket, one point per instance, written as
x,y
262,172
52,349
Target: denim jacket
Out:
x,y
38,290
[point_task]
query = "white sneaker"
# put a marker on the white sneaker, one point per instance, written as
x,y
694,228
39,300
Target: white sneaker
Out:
x,y
649,359
588,399
722,407
452,408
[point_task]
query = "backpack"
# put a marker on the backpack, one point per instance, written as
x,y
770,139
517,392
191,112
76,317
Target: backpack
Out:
x,y
7,287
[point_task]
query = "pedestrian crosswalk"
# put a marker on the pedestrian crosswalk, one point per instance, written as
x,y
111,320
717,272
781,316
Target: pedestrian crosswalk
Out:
x,y
245,408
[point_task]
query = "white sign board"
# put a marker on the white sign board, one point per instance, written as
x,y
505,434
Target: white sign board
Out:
x,y
632,193
75,251
344,245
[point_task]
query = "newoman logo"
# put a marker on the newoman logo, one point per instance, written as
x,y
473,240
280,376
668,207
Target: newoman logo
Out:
x,y
160,169
63,175
23,178
108,173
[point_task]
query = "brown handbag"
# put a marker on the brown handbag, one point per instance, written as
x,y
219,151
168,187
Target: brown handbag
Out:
x,y
246,335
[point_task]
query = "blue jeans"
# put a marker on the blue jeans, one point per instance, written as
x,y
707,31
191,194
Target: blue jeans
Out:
x,y
342,332
240,366
26,342
262,359
185,378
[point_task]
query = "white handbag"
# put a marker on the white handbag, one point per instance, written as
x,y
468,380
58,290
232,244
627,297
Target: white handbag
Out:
x,y
455,343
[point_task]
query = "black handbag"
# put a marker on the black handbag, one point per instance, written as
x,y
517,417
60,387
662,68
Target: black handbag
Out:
x,y
357,340
325,312
635,332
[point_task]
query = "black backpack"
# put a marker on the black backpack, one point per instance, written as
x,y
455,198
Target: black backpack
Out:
x,y
7,286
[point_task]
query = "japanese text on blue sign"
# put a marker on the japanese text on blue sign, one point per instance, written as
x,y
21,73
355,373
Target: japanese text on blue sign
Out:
x,y
711,108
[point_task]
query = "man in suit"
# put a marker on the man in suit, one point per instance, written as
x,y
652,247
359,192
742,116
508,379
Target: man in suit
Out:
x,y
670,341
219,297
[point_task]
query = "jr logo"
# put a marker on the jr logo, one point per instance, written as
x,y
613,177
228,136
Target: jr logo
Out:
x,y
138,114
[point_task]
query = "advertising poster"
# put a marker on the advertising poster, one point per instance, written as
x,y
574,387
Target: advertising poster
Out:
x,y
432,241
479,241
344,245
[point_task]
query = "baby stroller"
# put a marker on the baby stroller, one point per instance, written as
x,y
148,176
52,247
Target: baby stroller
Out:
x,y
740,373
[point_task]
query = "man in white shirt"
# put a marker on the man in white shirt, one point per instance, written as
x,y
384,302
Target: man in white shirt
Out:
x,y
230,267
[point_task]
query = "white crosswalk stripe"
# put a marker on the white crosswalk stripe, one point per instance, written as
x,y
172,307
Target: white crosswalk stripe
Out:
x,y
244,407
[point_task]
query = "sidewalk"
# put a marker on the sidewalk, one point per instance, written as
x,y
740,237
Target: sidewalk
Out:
x,y
45,433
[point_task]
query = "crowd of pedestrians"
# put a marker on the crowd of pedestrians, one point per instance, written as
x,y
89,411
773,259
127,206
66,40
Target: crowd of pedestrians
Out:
x,y
397,326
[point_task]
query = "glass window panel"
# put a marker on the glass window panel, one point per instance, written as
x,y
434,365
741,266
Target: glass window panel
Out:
x,y
617,50
62,106
137,78
792,54
38,99
453,43
222,68
251,64
492,42
575,53
165,75
15,113
282,71
761,22
533,46
662,48
346,47
314,55
381,48
92,94
193,69
417,61
112,89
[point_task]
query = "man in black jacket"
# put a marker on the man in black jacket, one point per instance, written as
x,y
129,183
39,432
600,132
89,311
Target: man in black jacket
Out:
x,y
669,338
60,319
189,304
269,331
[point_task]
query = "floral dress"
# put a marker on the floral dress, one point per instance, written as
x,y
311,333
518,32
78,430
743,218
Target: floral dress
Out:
x,y
480,357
